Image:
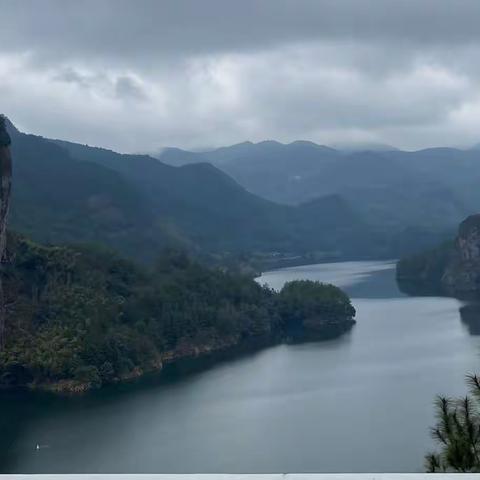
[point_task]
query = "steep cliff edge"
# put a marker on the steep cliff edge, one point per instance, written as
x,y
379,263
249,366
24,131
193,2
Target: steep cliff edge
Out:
x,y
452,268
5,191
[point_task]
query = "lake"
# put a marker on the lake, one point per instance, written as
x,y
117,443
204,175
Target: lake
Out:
x,y
359,403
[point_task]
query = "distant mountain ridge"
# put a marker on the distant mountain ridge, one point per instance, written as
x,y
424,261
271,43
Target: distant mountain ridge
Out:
x,y
66,192
71,193
392,189
217,213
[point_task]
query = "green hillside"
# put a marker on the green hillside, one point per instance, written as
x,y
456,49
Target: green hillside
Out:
x,y
108,320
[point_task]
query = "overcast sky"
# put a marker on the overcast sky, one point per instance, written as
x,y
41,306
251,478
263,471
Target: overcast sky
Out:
x,y
140,75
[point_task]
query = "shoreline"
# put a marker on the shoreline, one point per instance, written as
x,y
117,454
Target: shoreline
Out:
x,y
196,358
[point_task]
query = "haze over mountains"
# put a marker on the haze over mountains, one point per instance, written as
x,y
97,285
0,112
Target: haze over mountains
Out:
x,y
298,199
71,193
433,188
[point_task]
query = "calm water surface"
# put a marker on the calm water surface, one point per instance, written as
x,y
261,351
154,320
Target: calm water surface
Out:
x,y
361,403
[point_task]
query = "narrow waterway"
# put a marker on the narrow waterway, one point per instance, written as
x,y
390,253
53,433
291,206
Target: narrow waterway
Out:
x,y
360,403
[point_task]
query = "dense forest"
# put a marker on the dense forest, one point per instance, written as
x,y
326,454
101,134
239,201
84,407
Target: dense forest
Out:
x,y
453,268
83,317
79,317
423,272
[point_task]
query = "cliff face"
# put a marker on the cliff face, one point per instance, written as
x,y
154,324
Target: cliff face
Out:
x,y
5,188
5,183
462,274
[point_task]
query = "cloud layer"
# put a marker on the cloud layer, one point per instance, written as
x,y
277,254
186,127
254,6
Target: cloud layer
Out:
x,y
136,76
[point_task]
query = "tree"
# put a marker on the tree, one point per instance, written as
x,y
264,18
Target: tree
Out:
x,y
305,300
457,432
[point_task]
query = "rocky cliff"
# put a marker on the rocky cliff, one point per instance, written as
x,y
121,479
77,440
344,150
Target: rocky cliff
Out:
x,y
5,189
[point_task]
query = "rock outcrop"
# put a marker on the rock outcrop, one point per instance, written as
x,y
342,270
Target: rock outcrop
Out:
x,y
5,189
5,183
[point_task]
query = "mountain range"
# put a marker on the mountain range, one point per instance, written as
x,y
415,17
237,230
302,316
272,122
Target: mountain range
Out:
x,y
268,198
71,193
391,189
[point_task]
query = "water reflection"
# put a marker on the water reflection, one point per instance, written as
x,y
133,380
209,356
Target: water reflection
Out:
x,y
282,409
358,279
470,315
419,289
469,312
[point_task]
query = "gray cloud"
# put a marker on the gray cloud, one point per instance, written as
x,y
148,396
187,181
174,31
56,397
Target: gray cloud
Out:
x,y
70,75
126,87
194,73
119,27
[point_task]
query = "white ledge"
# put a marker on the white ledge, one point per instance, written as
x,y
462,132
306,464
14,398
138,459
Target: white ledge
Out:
x,y
253,476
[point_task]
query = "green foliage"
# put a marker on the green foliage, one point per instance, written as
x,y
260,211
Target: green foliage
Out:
x,y
457,432
424,271
58,199
86,316
312,305
88,374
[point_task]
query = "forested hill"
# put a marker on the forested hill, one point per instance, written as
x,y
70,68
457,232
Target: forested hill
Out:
x,y
57,199
70,193
452,268
107,319
429,191
217,213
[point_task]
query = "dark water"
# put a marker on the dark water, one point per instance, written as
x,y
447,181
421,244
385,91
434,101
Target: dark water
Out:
x,y
361,403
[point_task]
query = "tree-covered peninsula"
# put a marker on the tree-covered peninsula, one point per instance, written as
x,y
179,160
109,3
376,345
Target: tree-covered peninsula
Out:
x,y
82,317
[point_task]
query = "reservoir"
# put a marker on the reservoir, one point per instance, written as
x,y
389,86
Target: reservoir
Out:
x,y
359,403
